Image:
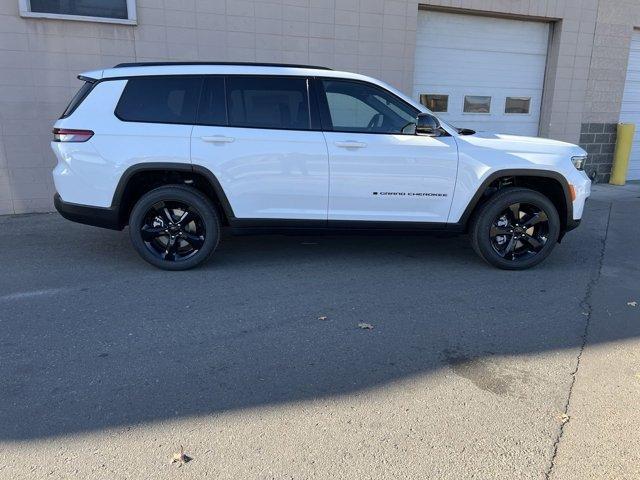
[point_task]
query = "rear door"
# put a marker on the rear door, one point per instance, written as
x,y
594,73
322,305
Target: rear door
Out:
x,y
256,135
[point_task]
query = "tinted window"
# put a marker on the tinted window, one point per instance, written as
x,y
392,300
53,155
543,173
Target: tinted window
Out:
x,y
358,107
268,102
77,99
92,8
212,109
171,99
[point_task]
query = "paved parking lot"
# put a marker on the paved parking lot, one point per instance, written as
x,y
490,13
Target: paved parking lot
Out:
x,y
109,365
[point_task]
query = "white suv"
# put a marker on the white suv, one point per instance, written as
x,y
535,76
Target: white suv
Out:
x,y
179,150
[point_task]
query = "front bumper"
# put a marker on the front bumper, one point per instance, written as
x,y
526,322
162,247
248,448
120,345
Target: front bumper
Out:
x,y
89,215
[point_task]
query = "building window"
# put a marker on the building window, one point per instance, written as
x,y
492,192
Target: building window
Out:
x,y
435,103
112,11
518,105
477,104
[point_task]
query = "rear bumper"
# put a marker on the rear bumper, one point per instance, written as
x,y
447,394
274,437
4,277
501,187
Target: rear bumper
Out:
x,y
89,215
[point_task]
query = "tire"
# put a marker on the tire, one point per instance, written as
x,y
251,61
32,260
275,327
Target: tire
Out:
x,y
515,229
174,227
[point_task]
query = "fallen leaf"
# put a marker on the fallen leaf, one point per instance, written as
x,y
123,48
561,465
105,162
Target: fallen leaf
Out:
x,y
365,326
180,457
323,318
632,304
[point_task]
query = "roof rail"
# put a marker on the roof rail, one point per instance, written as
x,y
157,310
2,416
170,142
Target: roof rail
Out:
x,y
243,64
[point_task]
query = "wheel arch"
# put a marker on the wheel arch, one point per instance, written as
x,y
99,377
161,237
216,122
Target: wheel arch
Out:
x,y
548,182
141,178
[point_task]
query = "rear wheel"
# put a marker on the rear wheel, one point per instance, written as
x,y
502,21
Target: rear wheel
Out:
x,y
174,227
515,229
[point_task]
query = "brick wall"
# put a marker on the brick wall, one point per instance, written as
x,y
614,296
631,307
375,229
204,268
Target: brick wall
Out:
x,y
599,140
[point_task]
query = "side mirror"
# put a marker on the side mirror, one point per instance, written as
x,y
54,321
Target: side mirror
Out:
x,y
427,124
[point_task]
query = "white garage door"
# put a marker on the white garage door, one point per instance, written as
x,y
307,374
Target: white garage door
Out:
x,y
482,73
630,112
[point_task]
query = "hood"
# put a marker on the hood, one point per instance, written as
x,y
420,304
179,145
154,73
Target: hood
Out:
x,y
520,144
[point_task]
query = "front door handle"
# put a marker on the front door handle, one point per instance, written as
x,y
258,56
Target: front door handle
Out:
x,y
350,144
218,139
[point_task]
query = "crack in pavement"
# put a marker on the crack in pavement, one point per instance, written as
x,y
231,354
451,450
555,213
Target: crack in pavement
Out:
x,y
585,334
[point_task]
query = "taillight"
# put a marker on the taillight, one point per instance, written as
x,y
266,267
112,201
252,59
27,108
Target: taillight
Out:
x,y
69,135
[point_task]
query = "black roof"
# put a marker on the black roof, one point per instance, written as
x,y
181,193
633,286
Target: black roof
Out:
x,y
243,64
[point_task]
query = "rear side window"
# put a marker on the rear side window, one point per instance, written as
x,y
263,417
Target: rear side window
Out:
x,y
212,109
170,99
77,99
268,102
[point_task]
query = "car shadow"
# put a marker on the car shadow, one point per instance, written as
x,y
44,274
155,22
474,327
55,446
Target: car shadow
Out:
x,y
94,338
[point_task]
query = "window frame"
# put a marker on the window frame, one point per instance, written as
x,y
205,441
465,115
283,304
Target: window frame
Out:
x,y
132,18
325,114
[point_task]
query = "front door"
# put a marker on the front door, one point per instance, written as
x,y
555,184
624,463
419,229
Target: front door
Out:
x,y
379,169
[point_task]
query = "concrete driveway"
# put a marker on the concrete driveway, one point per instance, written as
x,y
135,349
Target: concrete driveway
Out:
x,y
109,365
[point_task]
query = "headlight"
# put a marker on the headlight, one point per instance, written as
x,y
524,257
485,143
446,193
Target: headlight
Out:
x,y
579,161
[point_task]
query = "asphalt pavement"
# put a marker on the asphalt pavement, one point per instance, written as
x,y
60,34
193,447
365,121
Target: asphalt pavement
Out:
x,y
109,365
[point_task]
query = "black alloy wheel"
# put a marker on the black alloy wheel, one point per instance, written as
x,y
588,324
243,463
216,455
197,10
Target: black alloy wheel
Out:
x,y
174,227
515,229
173,231
520,231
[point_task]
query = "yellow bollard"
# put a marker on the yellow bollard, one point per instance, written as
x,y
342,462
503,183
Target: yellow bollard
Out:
x,y
624,141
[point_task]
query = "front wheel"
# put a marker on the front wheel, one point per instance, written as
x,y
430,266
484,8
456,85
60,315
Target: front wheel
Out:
x,y
174,227
515,229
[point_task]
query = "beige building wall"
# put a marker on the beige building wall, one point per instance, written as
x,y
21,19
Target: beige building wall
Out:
x,y
40,58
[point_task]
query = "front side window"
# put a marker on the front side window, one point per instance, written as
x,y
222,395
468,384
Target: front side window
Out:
x,y
170,99
101,10
268,102
363,108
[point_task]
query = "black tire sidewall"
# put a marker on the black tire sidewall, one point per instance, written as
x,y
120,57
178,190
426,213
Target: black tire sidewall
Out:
x,y
179,193
496,205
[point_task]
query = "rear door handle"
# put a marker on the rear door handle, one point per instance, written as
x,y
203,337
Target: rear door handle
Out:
x,y
218,139
350,144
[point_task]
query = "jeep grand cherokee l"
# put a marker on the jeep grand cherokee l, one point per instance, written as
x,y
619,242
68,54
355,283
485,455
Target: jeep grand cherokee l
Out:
x,y
176,151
